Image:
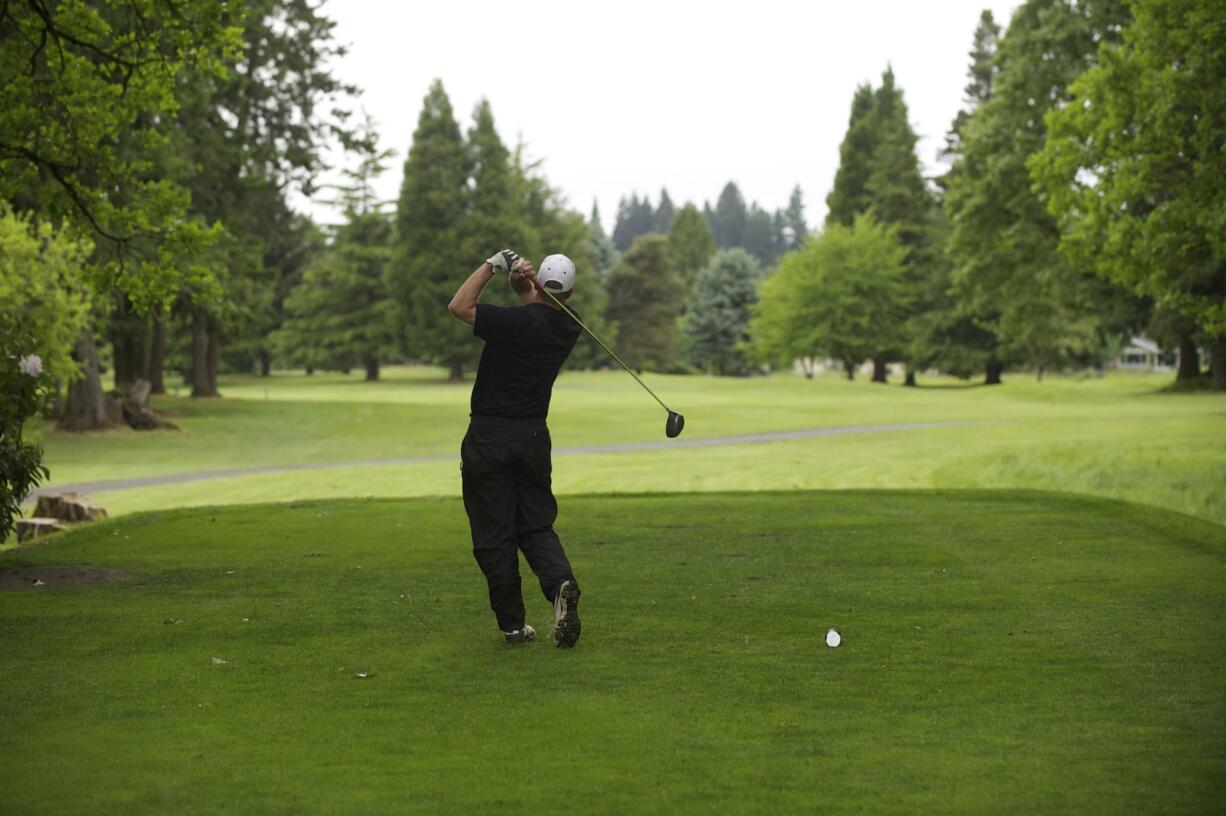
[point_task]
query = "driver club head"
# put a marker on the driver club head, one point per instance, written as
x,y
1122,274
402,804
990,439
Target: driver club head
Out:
x,y
672,428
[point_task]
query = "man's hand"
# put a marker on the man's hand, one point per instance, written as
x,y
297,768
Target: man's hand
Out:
x,y
503,261
522,279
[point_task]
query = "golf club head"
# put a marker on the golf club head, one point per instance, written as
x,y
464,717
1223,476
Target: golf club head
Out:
x,y
672,428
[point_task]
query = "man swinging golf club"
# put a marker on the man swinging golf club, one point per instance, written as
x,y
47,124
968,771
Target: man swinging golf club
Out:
x,y
505,456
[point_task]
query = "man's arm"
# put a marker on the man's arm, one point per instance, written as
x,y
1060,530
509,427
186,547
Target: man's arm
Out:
x,y
521,281
464,304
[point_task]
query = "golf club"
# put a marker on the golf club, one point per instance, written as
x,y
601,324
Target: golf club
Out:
x,y
675,421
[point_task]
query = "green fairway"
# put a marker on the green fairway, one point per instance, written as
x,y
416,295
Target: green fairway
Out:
x,y
1003,652
1115,437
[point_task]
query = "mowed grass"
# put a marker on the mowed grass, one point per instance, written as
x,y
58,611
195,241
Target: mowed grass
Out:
x,y
1116,436
1004,652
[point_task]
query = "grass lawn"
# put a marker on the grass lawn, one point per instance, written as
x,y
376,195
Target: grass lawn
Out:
x,y
1115,437
1004,652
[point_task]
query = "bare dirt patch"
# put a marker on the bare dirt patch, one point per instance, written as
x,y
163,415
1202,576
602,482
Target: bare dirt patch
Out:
x,y
51,577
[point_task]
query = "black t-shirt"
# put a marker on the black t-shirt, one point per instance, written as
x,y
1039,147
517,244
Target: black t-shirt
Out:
x,y
525,347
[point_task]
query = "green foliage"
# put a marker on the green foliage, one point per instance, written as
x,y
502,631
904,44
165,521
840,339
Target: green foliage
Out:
x,y
426,269
759,238
340,315
662,221
849,195
1133,166
43,295
635,217
22,394
1009,275
243,140
645,299
981,79
793,227
839,296
717,316
89,91
730,218
690,245
604,255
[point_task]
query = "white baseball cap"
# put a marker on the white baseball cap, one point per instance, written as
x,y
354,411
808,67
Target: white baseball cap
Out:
x,y
557,274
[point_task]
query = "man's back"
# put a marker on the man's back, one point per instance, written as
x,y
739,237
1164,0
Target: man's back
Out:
x,y
525,348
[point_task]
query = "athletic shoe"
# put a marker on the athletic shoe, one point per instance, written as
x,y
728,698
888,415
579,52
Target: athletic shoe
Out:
x,y
566,615
520,635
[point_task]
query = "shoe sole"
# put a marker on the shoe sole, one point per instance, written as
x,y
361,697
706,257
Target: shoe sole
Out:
x,y
566,627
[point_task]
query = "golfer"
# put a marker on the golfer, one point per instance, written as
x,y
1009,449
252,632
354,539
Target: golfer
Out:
x,y
505,456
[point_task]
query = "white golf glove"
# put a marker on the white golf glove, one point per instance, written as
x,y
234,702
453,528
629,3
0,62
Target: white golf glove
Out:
x,y
503,261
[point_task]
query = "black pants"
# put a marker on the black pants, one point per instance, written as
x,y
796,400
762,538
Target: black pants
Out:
x,y
508,496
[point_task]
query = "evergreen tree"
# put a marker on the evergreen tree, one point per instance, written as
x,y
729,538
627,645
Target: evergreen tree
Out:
x,y
794,227
604,255
717,315
635,217
946,335
645,299
690,244
493,217
340,315
730,218
1008,272
758,238
552,228
425,267
663,218
981,79
849,196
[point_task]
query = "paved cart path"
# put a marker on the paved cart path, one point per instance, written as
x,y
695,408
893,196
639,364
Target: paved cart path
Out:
x,y
578,450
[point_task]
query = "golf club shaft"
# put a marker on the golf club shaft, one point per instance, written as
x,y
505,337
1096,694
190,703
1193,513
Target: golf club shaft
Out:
x,y
612,353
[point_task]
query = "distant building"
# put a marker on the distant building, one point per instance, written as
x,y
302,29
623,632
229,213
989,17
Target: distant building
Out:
x,y
1143,354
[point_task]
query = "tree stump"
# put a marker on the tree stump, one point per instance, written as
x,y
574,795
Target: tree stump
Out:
x,y
71,507
132,403
31,528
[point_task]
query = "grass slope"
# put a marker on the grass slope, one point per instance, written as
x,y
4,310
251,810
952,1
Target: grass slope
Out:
x,y
1003,652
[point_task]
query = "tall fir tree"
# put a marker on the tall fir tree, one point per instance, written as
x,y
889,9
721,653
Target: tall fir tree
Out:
x,y
645,299
635,217
849,195
604,254
718,312
340,314
758,238
730,217
1008,272
794,227
430,213
690,245
665,211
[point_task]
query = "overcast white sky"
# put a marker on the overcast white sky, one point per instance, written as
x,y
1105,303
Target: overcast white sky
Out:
x,y
635,96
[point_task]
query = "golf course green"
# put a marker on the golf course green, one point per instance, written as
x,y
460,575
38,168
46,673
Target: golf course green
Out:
x,y
1003,652
1029,580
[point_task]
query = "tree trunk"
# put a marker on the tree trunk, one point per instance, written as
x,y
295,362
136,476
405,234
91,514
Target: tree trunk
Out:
x,y
204,351
850,369
1189,359
214,359
910,380
157,352
992,372
372,370
457,368
1217,365
807,366
85,408
1038,374
881,371
310,370
265,363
